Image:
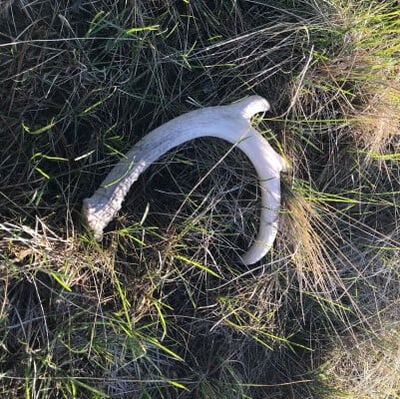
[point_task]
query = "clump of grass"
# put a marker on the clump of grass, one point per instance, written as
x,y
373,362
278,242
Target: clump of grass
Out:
x,y
162,308
367,368
356,84
346,116
69,327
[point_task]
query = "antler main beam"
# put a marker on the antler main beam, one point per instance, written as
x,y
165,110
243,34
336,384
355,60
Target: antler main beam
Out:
x,y
228,122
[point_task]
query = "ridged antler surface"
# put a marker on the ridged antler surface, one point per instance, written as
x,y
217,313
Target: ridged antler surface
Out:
x,y
228,122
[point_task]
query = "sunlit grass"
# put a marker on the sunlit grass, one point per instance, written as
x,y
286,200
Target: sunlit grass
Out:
x,y
162,308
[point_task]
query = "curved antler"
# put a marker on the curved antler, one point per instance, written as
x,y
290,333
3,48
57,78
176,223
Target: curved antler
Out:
x,y
228,122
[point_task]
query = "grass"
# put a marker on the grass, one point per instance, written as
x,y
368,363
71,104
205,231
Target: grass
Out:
x,y
161,308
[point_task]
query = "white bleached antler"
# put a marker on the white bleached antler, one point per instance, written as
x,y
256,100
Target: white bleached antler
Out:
x,y
228,122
